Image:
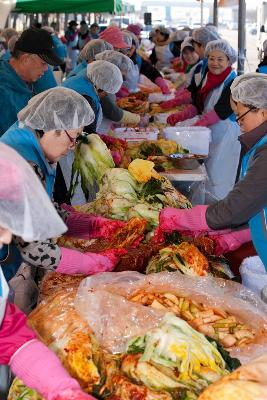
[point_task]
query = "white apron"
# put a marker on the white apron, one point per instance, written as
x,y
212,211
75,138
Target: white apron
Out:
x,y
132,79
164,56
224,153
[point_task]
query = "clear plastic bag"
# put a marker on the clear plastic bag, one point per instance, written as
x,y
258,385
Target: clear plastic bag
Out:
x,y
102,301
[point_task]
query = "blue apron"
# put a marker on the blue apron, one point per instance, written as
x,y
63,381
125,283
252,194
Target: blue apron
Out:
x,y
24,141
81,66
258,223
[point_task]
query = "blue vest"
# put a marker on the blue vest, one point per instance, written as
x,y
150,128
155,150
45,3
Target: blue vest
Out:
x,y
27,145
81,66
138,61
263,69
82,85
258,223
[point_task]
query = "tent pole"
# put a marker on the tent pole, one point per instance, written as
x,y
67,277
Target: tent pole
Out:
x,y
215,12
241,36
201,12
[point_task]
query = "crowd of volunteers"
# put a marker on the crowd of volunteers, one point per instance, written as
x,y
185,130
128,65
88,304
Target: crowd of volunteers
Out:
x,y
40,125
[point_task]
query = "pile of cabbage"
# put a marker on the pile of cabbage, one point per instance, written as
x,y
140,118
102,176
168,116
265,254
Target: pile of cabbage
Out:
x,y
122,197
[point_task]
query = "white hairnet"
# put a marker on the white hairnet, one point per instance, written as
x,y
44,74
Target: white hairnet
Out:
x,y
57,108
223,46
204,35
134,39
212,27
25,208
127,38
11,43
105,76
250,89
123,62
179,36
188,42
93,48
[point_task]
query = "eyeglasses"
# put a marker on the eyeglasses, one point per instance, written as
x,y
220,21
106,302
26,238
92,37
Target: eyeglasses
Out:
x,y
72,140
243,115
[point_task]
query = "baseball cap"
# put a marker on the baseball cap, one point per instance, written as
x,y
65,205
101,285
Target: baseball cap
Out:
x,y
114,36
39,42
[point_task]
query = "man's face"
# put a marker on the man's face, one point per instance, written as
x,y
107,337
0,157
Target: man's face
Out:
x,y
95,30
34,67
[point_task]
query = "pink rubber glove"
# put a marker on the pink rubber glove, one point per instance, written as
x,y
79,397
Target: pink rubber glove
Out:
x,y
173,219
74,262
40,369
89,226
182,97
231,241
162,84
123,92
188,112
210,118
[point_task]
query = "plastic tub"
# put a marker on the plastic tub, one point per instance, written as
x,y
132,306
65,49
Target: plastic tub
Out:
x,y
194,138
253,274
136,134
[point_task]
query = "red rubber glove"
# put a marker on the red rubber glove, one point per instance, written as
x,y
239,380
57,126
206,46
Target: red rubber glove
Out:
x,y
162,84
210,118
181,97
188,112
231,241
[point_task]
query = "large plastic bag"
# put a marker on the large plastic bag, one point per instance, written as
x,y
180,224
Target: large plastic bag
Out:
x,y
92,301
60,327
253,274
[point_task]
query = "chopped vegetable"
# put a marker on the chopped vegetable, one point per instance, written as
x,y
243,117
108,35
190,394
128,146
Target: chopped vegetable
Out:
x,y
184,257
174,355
217,324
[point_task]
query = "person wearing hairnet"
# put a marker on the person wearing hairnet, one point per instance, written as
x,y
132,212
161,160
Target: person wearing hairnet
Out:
x,y
166,48
224,146
112,113
8,34
246,203
200,38
94,83
190,60
26,211
47,129
88,54
142,67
